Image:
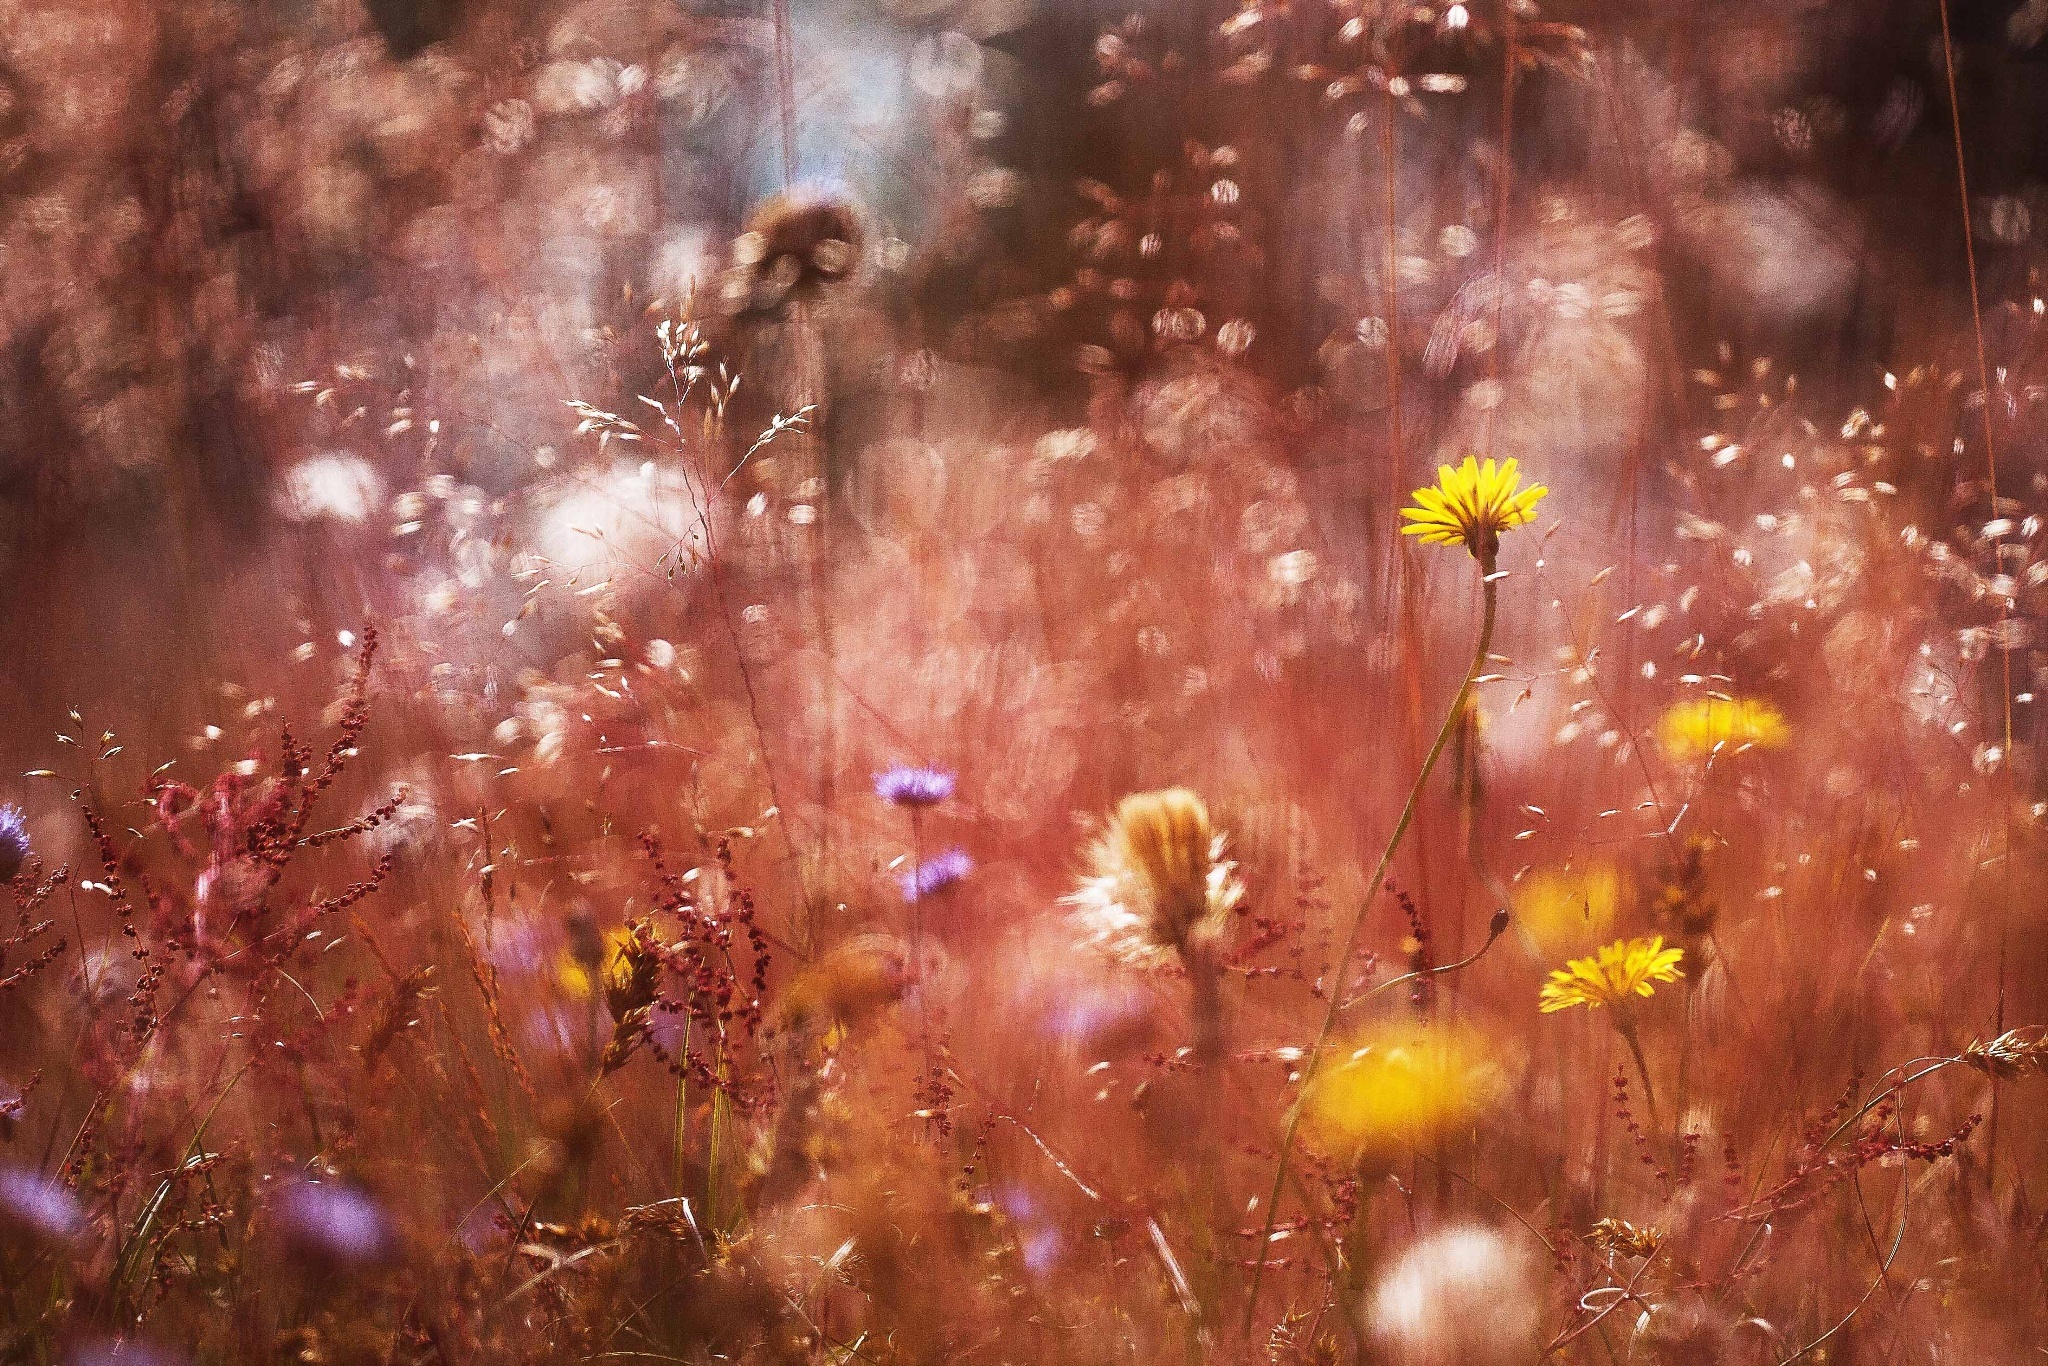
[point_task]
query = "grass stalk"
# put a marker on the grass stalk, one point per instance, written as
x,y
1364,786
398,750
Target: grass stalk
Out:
x,y
1490,595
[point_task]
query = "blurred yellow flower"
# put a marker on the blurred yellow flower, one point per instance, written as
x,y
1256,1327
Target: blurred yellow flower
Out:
x,y
846,984
1402,1085
1471,505
577,980
1563,911
1625,968
1693,729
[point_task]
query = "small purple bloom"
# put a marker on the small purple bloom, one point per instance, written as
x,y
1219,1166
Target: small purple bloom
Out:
x,y
914,786
555,1027
479,1230
13,841
515,946
120,1352
1082,1013
668,1029
48,1207
1041,1249
340,1221
1037,1238
936,874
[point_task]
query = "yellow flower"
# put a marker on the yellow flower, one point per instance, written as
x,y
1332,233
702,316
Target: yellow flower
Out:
x,y
1700,727
582,980
1471,505
1563,911
846,984
1159,885
1403,1085
1625,968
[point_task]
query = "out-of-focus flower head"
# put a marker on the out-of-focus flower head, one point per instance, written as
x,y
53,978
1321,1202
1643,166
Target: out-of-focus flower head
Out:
x,y
337,487
579,966
1563,911
334,1220
14,846
596,961
1471,505
795,243
38,1203
1459,1297
936,874
1081,1014
1684,902
1038,1234
121,1352
846,984
599,518
1623,970
912,786
1706,725
1158,885
1400,1085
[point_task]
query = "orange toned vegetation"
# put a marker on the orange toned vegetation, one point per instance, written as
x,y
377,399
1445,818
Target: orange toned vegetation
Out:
x,y
927,681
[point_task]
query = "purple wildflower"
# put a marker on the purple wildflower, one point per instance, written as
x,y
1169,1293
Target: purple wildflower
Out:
x,y
48,1207
13,841
1081,1013
936,874
914,786
120,1352
1038,1239
338,1221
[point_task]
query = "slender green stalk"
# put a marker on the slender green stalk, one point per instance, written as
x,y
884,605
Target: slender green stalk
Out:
x,y
682,1110
128,1256
1343,965
714,1209
1684,1067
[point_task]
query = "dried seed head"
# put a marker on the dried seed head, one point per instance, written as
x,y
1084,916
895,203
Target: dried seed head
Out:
x,y
1618,1237
2012,1054
1159,887
632,972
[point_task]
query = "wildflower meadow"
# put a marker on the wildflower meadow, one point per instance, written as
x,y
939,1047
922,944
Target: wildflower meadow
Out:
x,y
1023,682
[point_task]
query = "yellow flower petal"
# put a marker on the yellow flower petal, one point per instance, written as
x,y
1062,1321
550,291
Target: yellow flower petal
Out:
x,y
1472,504
1625,968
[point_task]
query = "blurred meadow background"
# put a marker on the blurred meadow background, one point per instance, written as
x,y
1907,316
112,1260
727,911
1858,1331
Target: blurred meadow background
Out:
x,y
737,681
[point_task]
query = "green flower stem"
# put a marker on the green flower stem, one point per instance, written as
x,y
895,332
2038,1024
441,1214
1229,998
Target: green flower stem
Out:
x,y
682,1125
1486,556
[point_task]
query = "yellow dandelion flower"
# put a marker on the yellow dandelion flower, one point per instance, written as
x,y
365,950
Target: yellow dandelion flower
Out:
x,y
1402,1085
1691,730
1624,969
1471,505
1562,911
1159,884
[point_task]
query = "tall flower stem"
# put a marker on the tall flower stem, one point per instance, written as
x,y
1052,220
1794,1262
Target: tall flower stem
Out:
x,y
1627,1029
917,907
682,1124
1487,555
917,982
